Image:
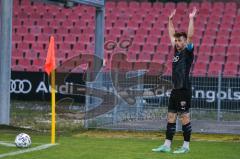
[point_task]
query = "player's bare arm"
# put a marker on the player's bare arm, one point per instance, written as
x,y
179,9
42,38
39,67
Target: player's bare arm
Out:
x,y
191,25
171,29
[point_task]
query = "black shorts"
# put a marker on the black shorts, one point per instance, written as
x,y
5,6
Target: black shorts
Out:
x,y
180,101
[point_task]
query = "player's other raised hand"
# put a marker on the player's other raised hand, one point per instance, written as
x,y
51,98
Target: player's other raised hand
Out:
x,y
172,14
193,13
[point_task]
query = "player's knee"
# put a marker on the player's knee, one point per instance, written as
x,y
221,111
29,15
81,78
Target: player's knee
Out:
x,y
171,118
185,118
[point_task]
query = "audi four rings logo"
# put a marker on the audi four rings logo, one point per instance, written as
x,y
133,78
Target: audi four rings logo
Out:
x,y
20,86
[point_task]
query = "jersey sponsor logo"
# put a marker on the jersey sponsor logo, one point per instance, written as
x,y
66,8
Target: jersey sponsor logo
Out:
x,y
175,59
20,86
183,103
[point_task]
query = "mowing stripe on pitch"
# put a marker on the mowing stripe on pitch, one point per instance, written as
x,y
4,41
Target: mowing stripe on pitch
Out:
x,y
42,147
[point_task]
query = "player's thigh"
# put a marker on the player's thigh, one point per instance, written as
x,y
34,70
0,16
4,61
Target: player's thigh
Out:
x,y
183,101
184,118
172,105
171,117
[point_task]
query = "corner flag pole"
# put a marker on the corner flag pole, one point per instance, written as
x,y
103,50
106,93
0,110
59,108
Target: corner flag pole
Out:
x,y
53,102
49,67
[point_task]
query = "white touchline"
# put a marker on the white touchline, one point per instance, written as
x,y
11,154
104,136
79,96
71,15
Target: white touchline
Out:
x,y
7,144
42,147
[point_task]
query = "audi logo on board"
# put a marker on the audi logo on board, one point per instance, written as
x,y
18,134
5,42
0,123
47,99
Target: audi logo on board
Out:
x,y
20,86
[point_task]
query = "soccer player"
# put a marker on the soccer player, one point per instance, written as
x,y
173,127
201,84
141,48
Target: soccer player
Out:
x,y
180,98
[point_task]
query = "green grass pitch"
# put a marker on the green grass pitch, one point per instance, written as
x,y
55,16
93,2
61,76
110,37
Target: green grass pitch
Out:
x,y
123,145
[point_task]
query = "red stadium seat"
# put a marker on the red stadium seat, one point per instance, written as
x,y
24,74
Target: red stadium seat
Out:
x,y
214,69
116,32
230,73
222,41
144,56
142,31
133,4
231,66
75,31
23,46
196,41
149,48
233,49
110,5
122,4
199,73
120,24
133,24
235,41
17,53
234,58
193,4
22,30
200,25
159,57
23,15
219,5
24,62
140,66
162,49
208,40
219,50
156,32
230,69
64,46
135,48
70,39
30,38
224,32
201,65
231,5
139,39
165,40
170,5
218,59
158,6
35,15
110,37
152,40
210,32
17,38
125,66
206,5
205,49
203,58
147,25
159,25
132,56
146,6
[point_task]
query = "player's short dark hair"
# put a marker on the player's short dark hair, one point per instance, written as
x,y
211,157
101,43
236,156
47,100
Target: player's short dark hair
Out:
x,y
179,34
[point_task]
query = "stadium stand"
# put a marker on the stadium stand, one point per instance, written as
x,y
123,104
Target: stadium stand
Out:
x,y
216,33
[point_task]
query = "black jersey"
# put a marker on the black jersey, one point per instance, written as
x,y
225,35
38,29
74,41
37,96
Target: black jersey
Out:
x,y
181,66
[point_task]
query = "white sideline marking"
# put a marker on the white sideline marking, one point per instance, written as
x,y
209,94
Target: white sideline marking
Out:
x,y
7,144
42,147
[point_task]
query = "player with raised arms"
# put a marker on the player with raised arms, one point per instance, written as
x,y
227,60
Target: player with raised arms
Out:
x,y
180,98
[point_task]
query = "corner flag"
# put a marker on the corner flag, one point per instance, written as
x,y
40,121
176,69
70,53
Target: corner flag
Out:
x,y
49,67
50,64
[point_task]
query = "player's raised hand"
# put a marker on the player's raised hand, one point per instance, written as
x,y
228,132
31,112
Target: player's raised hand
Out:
x,y
172,14
194,12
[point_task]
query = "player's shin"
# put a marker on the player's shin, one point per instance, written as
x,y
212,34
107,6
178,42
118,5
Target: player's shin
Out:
x,y
171,129
187,130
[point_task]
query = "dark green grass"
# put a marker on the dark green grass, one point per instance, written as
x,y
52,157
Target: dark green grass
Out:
x,y
93,145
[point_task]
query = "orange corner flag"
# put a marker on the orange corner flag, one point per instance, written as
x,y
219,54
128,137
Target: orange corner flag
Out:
x,y
50,63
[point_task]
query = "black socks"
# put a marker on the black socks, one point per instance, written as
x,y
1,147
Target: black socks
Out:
x,y
187,129
171,129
